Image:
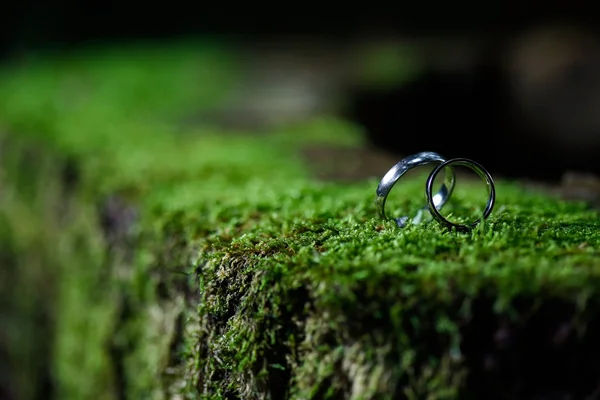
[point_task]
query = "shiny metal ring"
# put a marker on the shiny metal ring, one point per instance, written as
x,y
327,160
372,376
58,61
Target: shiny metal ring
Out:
x,y
479,170
405,165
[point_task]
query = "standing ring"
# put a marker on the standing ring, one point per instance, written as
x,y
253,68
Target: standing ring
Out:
x,y
405,165
479,170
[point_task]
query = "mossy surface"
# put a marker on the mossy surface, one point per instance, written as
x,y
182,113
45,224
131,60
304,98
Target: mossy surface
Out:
x,y
244,276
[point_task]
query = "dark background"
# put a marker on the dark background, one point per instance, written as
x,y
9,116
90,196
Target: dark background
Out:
x,y
36,23
466,113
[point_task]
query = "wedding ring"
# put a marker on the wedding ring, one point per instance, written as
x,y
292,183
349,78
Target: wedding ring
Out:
x,y
401,168
479,170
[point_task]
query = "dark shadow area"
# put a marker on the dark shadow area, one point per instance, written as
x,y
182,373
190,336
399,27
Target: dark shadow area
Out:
x,y
545,354
58,24
468,114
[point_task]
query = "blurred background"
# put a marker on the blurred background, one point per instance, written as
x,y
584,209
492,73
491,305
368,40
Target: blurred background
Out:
x,y
514,87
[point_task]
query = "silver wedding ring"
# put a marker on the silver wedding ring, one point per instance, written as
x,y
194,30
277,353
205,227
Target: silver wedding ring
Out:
x,y
479,170
401,168
434,201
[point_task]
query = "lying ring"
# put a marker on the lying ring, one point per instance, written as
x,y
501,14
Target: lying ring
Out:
x,y
405,165
479,170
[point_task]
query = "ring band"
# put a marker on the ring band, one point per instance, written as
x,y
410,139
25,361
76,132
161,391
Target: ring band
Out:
x,y
401,168
479,170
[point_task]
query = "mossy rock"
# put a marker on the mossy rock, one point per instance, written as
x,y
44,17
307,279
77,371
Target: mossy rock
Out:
x,y
146,259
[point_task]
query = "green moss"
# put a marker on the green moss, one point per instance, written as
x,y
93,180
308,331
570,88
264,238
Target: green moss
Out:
x,y
366,294
249,277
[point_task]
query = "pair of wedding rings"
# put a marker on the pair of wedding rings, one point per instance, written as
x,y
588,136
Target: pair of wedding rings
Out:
x,y
437,201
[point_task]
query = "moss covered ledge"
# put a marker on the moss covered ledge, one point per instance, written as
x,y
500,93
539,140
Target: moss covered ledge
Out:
x,y
327,302
245,277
